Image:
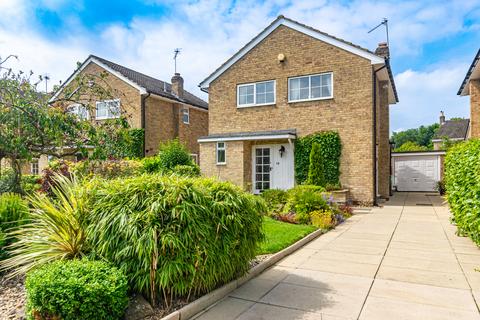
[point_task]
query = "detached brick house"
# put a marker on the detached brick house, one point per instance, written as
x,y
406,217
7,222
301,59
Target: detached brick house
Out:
x,y
290,81
471,87
164,110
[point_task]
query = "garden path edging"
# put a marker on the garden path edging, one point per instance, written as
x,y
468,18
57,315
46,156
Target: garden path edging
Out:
x,y
202,303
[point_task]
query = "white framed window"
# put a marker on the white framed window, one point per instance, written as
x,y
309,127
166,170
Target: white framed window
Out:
x,y
34,168
312,87
256,94
79,110
194,157
221,153
186,116
107,109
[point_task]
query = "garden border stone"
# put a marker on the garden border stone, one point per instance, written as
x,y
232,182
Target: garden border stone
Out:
x,y
202,303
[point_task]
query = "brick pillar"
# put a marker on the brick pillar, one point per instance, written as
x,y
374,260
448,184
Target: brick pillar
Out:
x,y
475,108
383,141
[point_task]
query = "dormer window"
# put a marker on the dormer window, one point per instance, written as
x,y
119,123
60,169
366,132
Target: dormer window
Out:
x,y
313,87
256,94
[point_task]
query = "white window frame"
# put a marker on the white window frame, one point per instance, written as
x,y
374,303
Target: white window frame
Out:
x,y
254,104
32,165
310,87
186,111
108,116
75,109
224,149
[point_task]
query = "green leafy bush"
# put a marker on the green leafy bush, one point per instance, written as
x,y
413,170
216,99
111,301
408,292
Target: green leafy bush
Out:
x,y
316,170
323,219
76,289
331,149
7,181
54,230
275,199
107,169
31,183
152,165
175,236
13,213
172,154
50,174
192,170
304,199
410,146
462,182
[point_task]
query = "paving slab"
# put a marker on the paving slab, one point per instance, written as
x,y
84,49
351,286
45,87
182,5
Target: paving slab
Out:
x,y
400,261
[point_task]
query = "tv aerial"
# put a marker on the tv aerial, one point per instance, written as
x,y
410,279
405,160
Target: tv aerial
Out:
x,y
383,23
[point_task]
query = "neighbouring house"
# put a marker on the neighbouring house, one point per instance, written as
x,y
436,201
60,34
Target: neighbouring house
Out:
x,y
290,81
164,110
453,130
471,87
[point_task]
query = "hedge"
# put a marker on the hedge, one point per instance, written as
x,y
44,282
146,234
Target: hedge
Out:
x,y
462,181
172,235
331,149
76,289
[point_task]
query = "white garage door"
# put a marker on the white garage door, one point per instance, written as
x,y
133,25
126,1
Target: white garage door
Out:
x,y
417,173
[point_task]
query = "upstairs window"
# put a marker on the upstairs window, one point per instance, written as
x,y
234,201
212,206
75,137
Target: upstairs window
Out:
x,y
108,109
256,94
221,153
186,116
79,110
314,87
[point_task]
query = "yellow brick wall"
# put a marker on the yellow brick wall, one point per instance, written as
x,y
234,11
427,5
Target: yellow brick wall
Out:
x,y
198,127
383,142
233,170
475,108
349,112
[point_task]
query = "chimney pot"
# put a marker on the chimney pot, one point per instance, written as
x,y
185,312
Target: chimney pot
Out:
x,y
177,85
442,117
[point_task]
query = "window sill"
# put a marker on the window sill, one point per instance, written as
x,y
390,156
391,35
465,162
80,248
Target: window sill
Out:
x,y
256,105
221,164
308,100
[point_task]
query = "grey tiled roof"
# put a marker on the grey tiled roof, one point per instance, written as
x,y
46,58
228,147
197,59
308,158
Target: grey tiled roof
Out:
x,y
469,72
153,85
250,134
453,129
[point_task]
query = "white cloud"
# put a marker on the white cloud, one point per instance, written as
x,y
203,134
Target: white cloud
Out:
x,y
210,31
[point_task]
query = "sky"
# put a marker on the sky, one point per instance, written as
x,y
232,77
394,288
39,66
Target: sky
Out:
x,y
432,43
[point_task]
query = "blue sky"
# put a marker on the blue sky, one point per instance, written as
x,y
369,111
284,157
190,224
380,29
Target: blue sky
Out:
x,y
432,42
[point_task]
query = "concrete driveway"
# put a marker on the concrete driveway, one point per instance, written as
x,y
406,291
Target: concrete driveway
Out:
x,y
402,261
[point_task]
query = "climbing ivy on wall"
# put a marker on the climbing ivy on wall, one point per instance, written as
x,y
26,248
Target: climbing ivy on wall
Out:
x,y
330,148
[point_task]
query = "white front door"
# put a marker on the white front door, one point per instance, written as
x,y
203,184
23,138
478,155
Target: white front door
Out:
x,y
273,167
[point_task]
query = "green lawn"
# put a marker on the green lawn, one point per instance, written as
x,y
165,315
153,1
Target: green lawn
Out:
x,y
280,235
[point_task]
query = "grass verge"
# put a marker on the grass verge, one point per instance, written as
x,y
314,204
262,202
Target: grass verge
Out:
x,y
279,235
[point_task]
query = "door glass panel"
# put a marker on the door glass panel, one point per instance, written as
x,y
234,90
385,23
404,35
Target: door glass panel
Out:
x,y
262,169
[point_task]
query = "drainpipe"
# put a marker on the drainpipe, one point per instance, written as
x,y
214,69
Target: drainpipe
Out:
x,y
142,119
374,134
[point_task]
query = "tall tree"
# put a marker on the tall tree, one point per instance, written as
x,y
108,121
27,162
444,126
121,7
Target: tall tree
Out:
x,y
421,136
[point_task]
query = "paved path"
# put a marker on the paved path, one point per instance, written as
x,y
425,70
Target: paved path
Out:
x,y
402,261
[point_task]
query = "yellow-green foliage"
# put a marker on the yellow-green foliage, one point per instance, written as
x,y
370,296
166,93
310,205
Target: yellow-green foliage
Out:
x,y
322,219
304,199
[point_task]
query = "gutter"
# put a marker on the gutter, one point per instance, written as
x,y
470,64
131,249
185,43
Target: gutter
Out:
x,y
142,110
374,132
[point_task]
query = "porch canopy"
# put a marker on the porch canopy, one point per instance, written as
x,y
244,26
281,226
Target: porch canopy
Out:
x,y
253,135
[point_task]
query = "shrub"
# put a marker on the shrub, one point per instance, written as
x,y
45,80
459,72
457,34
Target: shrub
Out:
x,y
54,231
323,219
173,153
441,187
304,199
316,171
345,210
174,235
275,199
31,183
13,213
192,170
331,149
410,146
7,181
107,169
152,165
49,174
76,289
462,180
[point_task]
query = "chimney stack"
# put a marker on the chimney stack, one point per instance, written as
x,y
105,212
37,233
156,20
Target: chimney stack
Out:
x,y
382,50
177,85
442,118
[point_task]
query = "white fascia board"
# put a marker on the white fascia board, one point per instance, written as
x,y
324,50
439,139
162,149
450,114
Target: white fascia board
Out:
x,y
374,59
104,66
426,153
270,137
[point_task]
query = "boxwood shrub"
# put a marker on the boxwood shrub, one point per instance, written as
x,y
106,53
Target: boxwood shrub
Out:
x,y
76,289
462,181
175,236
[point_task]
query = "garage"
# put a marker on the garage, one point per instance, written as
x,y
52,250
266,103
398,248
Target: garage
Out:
x,y
417,171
